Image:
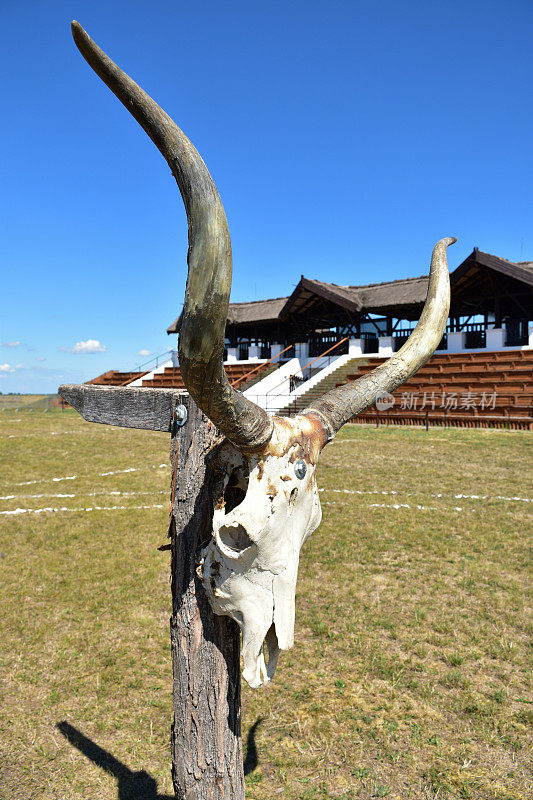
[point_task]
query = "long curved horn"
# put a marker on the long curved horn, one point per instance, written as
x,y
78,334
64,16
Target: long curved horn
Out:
x,y
201,341
339,405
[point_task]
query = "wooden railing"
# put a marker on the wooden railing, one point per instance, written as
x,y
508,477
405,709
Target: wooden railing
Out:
x,y
259,368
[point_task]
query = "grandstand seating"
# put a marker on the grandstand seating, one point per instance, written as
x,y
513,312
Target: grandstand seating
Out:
x,y
493,389
482,389
115,378
171,377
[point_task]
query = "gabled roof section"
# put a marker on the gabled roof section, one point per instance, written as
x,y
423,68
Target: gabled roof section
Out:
x,y
247,313
343,296
405,296
175,326
520,270
255,310
372,297
378,297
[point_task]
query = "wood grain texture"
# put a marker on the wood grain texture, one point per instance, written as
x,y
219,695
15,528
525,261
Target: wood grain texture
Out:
x,y
148,409
206,732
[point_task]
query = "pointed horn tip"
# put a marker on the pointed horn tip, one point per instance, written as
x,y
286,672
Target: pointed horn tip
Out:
x,y
78,32
449,240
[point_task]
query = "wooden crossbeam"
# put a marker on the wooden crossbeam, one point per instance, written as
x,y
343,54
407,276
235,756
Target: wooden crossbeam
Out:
x,y
147,409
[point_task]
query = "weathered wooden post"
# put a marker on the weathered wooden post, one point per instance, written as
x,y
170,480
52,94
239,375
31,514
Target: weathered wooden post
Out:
x,y
244,492
206,732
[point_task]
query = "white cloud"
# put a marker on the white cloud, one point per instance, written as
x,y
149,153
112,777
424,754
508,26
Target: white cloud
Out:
x,y
41,358
89,346
6,368
144,353
9,344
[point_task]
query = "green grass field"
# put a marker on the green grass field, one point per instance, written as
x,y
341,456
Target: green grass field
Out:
x,y
409,676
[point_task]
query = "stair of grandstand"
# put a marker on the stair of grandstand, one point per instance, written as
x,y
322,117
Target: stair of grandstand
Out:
x,y
115,378
492,389
334,378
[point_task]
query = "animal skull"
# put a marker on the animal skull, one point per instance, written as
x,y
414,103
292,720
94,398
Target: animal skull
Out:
x,y
269,508
249,568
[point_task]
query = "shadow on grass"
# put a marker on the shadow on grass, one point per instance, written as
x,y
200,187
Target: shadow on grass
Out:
x,y
131,785
139,785
251,761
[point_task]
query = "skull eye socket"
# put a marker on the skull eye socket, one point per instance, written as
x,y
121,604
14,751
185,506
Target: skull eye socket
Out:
x,y
236,488
234,537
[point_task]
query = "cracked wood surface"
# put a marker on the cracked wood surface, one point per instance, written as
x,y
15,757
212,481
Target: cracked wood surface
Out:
x,y
206,732
148,409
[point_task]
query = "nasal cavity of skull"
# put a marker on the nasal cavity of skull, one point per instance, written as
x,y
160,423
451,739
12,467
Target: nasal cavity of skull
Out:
x,y
270,645
292,500
236,489
234,537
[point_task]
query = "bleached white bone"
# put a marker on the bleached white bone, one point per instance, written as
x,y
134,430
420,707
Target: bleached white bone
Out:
x,y
250,566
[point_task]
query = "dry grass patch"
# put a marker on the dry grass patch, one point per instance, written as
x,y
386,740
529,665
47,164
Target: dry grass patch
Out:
x,y
409,677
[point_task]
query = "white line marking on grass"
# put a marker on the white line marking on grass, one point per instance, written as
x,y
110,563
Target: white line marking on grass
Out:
x,y
356,491
45,433
82,494
118,471
488,497
51,510
33,496
411,494
398,506
45,480
98,475
124,494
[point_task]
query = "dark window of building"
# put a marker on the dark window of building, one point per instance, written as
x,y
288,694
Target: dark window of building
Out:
x,y
370,342
475,335
517,332
321,342
400,338
290,353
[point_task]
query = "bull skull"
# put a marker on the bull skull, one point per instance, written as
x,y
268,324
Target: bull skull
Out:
x,y
268,502
269,508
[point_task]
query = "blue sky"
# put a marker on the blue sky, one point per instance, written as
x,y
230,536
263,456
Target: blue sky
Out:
x,y
345,139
